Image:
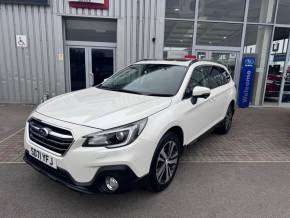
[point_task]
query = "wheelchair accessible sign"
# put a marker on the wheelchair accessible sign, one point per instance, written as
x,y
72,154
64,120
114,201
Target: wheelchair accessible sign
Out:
x,y
246,81
21,41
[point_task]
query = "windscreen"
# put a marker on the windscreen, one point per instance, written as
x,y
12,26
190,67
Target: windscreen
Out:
x,y
147,79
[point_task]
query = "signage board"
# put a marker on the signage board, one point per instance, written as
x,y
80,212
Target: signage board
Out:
x,y
246,81
21,41
90,4
27,2
279,57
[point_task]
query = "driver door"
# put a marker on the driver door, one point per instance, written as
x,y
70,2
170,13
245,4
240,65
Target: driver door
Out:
x,y
197,118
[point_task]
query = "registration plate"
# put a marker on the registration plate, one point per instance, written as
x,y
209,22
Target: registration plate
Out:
x,y
43,157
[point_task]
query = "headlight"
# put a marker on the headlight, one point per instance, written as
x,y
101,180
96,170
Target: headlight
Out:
x,y
116,137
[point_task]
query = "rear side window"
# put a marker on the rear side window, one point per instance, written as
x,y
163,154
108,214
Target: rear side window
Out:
x,y
218,77
226,75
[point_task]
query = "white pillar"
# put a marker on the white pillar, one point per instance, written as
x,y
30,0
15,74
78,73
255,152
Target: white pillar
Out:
x,y
263,44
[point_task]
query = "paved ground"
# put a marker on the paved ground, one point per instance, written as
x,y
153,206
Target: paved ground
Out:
x,y
243,174
12,120
223,190
258,134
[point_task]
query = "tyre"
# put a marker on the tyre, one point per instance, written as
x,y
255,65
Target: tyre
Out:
x,y
226,124
164,163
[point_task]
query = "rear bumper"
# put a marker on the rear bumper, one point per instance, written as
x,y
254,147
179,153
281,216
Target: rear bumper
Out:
x,y
125,176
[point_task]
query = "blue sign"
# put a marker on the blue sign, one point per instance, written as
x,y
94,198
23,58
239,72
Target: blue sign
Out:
x,y
246,81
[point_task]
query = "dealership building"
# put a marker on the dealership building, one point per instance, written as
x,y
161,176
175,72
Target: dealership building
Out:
x,y
49,47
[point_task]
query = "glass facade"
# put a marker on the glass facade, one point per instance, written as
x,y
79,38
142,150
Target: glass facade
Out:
x,y
180,8
178,38
219,34
228,30
225,10
283,12
262,11
276,87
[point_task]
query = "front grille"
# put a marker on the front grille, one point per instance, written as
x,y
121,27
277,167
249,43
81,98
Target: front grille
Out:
x,y
50,137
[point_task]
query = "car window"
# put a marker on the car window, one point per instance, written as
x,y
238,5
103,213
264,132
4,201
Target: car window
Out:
x,y
199,77
215,79
226,76
218,77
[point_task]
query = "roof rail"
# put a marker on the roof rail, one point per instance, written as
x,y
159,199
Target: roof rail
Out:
x,y
172,59
151,59
176,59
165,59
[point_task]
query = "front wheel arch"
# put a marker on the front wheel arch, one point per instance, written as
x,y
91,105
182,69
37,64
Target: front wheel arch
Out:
x,y
178,131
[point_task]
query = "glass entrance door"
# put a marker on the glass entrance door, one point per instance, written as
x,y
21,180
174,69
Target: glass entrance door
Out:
x,y
286,86
101,65
277,89
89,66
229,59
78,68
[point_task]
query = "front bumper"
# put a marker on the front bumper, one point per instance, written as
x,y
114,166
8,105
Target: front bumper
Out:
x,y
125,176
80,167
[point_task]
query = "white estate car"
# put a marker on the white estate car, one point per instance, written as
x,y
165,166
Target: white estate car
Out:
x,y
130,128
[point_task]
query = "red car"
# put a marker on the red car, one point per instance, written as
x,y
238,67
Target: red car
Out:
x,y
274,84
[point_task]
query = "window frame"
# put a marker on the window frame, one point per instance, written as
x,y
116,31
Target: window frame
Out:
x,y
219,69
228,76
187,94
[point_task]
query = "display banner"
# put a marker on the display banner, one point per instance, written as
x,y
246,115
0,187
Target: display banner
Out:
x,y
246,81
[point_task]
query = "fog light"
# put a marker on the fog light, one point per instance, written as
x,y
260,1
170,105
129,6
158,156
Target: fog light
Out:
x,y
111,183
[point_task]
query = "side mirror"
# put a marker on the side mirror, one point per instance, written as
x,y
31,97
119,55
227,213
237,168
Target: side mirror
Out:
x,y
199,92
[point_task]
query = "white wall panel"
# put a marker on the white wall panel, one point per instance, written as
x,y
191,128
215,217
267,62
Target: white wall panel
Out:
x,y
28,73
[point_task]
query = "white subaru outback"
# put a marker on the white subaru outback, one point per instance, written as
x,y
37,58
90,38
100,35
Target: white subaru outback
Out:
x,y
131,127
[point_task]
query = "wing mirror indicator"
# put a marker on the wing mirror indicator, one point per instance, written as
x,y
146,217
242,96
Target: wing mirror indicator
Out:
x,y
199,92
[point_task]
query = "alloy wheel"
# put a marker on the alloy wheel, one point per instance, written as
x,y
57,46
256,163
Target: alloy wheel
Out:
x,y
167,162
228,120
